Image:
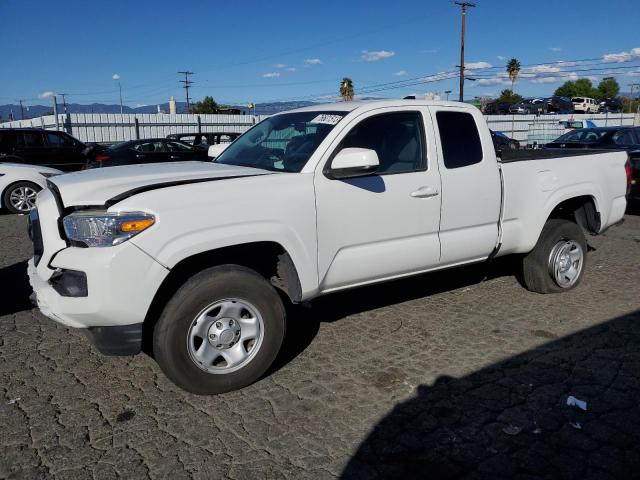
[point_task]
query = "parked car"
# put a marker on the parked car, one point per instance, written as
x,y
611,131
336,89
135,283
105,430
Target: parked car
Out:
x,y
20,184
557,104
608,138
34,146
528,107
204,140
585,105
502,142
200,257
150,150
569,125
497,108
610,105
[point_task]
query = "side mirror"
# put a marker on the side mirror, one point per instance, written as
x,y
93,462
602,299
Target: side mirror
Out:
x,y
354,162
216,150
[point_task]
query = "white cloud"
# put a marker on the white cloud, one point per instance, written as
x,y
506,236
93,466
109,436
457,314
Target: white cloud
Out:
x,y
400,73
312,61
622,56
497,80
500,57
115,76
46,95
477,65
555,49
633,74
545,80
543,69
291,69
279,65
368,56
271,75
138,105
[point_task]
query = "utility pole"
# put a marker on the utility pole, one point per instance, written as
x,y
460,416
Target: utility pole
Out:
x,y
55,110
463,12
120,89
21,110
187,83
64,102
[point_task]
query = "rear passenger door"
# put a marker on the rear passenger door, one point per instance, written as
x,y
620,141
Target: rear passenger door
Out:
x,y
64,152
471,187
153,151
181,152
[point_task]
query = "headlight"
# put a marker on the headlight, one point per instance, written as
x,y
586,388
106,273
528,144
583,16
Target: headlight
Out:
x,y
100,229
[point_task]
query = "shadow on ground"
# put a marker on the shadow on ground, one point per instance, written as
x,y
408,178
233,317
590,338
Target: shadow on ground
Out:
x,y
304,320
633,208
511,420
15,289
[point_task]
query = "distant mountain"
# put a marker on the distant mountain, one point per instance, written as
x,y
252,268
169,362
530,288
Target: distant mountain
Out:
x,y
32,111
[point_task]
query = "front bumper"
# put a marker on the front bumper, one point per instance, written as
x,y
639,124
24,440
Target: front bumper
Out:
x,y
121,284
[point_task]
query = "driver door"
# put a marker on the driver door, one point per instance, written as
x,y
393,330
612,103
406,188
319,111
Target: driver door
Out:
x,y
386,224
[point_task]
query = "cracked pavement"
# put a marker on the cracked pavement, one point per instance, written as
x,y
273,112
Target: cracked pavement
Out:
x,y
461,374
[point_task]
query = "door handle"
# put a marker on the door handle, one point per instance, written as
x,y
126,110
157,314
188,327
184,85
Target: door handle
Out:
x,y
139,155
174,157
424,192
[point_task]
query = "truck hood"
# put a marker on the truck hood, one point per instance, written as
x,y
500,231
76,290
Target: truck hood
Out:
x,y
106,186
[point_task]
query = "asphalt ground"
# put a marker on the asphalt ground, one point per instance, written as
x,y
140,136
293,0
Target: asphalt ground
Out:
x,y
459,374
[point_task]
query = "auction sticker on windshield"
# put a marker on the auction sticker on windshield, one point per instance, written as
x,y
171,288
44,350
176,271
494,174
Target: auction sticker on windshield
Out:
x,y
327,119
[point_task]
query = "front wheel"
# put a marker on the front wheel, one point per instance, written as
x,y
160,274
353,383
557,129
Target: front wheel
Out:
x,y
21,197
220,331
558,260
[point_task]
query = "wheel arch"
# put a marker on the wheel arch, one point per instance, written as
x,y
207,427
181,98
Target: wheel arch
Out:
x,y
270,259
581,209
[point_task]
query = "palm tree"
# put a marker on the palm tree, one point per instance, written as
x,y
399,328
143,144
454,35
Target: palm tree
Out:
x,y
513,69
346,89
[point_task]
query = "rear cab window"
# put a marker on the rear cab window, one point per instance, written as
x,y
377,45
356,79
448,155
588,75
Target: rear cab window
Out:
x,y
460,140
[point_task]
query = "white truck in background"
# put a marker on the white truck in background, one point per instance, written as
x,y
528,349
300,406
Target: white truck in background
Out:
x,y
200,258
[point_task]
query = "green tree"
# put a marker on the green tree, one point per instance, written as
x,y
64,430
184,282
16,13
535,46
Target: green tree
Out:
x,y
507,96
608,88
513,69
207,105
346,89
578,88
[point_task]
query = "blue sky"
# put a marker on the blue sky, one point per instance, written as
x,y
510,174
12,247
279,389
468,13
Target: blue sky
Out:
x,y
288,50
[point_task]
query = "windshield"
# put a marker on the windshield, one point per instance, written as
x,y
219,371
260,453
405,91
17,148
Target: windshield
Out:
x,y
281,143
584,135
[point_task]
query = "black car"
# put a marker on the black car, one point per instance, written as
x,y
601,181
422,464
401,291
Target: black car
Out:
x,y
150,150
502,142
497,108
611,105
607,138
204,140
35,146
529,106
557,104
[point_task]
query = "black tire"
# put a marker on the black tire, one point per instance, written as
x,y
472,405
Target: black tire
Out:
x,y
537,276
214,284
6,196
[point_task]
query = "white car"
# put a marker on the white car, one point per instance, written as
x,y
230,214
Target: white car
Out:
x,y
201,257
585,105
20,183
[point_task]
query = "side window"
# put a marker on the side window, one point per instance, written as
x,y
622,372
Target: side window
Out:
x,y
178,147
149,147
397,138
57,140
460,140
623,137
32,139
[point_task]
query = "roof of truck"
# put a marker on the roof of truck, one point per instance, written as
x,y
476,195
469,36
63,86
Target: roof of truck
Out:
x,y
356,104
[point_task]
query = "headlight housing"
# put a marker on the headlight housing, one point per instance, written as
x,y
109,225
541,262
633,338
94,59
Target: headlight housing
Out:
x,y
101,229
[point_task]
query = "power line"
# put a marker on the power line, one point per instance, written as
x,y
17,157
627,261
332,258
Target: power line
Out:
x,y
187,84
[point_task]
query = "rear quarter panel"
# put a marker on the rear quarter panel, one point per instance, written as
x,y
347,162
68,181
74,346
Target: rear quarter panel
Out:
x,y
532,189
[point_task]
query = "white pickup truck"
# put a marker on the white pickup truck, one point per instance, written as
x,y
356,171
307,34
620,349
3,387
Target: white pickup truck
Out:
x,y
200,258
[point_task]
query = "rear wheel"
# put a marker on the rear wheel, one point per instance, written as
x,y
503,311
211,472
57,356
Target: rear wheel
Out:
x,y
558,260
221,330
21,197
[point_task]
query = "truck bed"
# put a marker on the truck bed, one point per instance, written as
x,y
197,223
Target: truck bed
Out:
x,y
510,156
